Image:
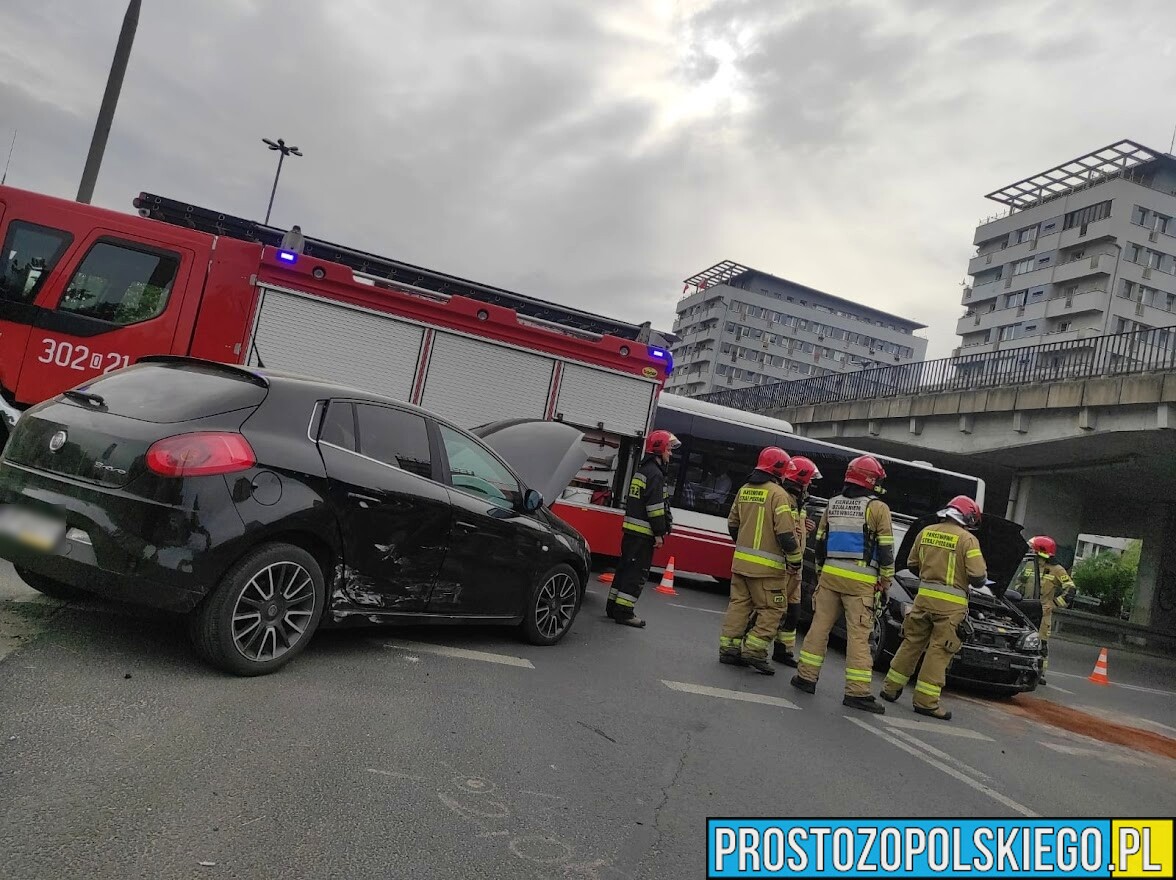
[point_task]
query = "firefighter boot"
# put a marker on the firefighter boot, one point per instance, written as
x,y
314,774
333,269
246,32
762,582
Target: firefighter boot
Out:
x,y
729,655
781,654
803,684
760,664
630,620
938,712
1044,661
866,704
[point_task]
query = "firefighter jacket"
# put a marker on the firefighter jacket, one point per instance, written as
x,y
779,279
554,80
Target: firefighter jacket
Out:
x,y
947,558
1056,585
647,509
763,523
855,541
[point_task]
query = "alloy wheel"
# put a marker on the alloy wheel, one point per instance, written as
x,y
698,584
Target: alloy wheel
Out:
x,y
555,605
273,611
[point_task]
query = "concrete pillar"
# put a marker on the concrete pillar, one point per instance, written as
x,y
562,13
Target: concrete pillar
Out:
x,y
1155,590
1049,505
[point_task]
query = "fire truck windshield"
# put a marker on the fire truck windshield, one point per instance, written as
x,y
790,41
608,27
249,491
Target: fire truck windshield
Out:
x,y
30,253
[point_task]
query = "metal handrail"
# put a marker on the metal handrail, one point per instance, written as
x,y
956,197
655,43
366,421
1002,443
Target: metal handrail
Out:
x,y
1140,351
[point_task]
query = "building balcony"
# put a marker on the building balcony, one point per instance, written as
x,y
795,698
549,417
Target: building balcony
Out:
x,y
1090,301
1091,232
1013,253
1099,264
981,292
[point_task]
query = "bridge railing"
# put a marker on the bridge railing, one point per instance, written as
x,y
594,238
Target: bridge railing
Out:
x,y
1141,351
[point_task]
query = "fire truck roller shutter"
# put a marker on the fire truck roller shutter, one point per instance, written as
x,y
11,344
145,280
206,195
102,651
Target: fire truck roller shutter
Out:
x,y
587,396
298,334
471,382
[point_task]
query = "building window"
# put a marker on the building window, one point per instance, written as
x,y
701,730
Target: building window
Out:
x,y
1023,266
1064,326
1139,215
1090,214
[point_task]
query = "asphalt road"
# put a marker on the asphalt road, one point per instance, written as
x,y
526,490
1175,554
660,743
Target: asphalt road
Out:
x,y
406,753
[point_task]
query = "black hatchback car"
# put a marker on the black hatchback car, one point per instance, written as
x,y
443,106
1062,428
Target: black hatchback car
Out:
x,y
264,505
1003,654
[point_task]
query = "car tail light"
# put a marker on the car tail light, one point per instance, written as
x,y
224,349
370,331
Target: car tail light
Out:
x,y
196,455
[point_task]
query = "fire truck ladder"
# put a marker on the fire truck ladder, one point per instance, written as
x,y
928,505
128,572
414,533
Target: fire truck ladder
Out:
x,y
215,223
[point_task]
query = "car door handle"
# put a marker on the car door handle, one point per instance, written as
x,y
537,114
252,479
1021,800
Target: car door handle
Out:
x,y
466,526
363,499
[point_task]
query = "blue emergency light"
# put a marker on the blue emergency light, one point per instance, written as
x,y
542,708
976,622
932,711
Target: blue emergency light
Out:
x,y
663,355
287,256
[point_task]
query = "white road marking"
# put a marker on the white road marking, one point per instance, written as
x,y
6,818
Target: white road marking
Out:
x,y
1100,754
933,727
692,608
724,694
940,765
1130,687
462,653
941,755
1061,690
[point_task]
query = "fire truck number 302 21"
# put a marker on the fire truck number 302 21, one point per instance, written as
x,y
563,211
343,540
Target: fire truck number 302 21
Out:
x,y
80,357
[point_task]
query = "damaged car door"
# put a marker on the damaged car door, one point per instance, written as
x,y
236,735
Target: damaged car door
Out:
x,y
395,518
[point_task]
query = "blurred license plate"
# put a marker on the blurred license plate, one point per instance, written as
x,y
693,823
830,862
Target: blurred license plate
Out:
x,y
989,661
30,528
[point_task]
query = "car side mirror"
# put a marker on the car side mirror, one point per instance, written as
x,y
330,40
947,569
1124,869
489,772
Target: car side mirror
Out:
x,y
1014,595
532,501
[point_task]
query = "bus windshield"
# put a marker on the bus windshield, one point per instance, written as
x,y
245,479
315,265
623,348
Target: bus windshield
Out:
x,y
717,455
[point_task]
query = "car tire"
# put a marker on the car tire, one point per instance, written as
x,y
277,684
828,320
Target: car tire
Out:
x,y
51,588
280,583
878,646
552,606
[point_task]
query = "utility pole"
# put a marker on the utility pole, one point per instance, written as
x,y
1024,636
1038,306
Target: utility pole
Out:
x,y
11,147
283,150
118,67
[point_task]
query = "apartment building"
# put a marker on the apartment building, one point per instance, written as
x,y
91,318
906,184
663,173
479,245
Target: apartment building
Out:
x,y
1084,249
739,326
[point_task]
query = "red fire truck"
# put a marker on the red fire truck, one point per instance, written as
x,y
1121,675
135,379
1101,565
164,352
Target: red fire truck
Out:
x,y
85,290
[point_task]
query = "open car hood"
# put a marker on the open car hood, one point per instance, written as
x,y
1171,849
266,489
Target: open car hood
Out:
x,y
1002,542
547,455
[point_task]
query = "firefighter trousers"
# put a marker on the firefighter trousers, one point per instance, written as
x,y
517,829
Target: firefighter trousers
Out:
x,y
631,574
786,635
828,605
763,597
931,627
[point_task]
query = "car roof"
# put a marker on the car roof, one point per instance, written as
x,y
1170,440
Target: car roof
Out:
x,y
309,384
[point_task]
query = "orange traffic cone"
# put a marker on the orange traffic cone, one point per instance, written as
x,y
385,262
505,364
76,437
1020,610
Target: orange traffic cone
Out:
x,y
606,578
1099,676
666,587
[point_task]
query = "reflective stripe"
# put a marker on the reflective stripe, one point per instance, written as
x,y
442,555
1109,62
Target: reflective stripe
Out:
x,y
951,569
886,571
811,659
638,480
946,597
786,637
760,555
973,553
728,642
612,594
897,677
653,513
626,599
784,508
755,642
754,558
759,527
931,690
885,539
637,525
862,575
857,675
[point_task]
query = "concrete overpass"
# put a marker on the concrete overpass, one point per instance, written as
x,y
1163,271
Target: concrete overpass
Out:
x,y
1063,451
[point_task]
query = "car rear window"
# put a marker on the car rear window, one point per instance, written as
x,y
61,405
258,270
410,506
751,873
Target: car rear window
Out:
x,y
166,393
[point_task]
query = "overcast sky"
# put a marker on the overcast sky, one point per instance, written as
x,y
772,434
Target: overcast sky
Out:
x,y
598,152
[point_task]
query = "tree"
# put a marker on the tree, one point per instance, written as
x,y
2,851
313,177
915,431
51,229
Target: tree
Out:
x,y
1108,576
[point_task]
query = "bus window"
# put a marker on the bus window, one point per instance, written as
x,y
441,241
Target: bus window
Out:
x,y
717,460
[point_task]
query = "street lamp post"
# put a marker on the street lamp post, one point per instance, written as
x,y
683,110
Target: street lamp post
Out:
x,y
283,150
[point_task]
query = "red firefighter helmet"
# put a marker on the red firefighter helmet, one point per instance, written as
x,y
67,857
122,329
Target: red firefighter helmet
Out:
x,y
659,441
865,471
963,510
802,471
774,461
1044,546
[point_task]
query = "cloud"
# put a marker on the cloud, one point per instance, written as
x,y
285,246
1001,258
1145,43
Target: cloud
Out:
x,y
596,154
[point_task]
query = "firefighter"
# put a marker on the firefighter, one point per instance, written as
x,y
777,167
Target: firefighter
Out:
x,y
762,524
855,558
797,480
647,522
947,559
1056,590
